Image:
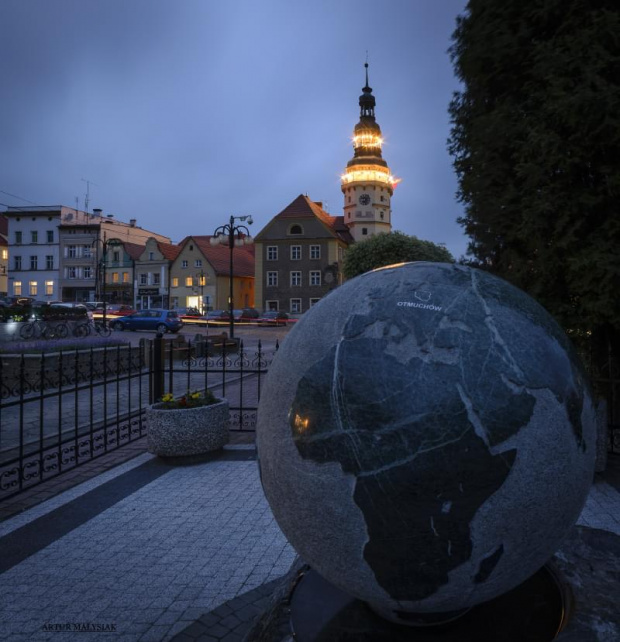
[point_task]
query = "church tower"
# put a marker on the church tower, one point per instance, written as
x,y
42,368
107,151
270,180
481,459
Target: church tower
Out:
x,y
367,183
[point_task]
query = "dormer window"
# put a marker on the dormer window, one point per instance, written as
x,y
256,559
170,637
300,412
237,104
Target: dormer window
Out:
x,y
295,229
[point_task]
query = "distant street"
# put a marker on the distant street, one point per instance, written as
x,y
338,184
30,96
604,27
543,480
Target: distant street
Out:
x,y
250,334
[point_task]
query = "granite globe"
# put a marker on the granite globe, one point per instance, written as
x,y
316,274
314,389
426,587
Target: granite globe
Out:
x,y
426,437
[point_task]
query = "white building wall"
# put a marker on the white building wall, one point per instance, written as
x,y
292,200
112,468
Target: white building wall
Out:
x,y
40,223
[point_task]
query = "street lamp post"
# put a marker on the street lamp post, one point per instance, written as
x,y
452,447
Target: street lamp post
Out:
x,y
232,235
201,281
102,270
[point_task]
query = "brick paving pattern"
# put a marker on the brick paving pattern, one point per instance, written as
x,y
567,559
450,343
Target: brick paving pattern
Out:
x,y
155,562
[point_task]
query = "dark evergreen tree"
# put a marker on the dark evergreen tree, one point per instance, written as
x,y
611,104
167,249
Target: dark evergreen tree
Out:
x,y
536,147
386,249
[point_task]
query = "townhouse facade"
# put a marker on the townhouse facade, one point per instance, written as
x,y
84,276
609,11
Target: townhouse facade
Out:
x,y
4,255
153,274
200,275
60,253
299,256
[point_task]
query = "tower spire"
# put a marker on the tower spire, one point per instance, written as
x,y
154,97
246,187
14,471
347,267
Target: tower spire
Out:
x,y
367,183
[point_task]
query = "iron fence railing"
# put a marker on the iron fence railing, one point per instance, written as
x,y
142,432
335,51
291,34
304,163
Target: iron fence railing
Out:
x,y
61,409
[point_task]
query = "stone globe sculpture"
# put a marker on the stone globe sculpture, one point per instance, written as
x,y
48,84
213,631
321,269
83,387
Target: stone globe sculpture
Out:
x,y
426,437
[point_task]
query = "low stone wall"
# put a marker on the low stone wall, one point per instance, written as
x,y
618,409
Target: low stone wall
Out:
x,y
49,370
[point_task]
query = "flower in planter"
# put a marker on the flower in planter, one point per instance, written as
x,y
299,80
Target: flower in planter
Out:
x,y
188,400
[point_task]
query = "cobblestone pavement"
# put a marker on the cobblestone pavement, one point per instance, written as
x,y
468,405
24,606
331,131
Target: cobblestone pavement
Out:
x,y
151,564
148,551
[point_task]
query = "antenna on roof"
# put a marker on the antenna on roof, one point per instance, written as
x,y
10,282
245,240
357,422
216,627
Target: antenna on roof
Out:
x,y
87,198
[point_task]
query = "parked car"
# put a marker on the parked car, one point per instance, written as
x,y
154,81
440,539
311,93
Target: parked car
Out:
x,y
73,306
188,312
155,319
94,305
217,317
248,314
115,309
273,317
191,316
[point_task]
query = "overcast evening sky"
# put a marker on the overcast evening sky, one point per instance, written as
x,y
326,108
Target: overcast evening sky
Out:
x,y
183,112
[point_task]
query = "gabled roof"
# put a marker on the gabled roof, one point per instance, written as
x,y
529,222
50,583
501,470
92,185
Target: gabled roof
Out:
x,y
304,207
219,256
133,249
169,250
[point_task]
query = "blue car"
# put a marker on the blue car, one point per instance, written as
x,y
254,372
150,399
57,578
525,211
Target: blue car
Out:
x,y
156,320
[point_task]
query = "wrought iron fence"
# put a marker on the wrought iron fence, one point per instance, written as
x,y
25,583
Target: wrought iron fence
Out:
x,y
61,409
224,366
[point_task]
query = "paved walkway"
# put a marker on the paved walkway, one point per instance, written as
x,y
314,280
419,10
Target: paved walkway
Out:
x,y
145,550
149,551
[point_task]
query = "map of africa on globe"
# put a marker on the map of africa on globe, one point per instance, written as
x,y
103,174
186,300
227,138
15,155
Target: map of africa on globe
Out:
x,y
426,437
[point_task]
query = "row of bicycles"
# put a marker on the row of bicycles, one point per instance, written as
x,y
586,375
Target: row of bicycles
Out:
x,y
39,329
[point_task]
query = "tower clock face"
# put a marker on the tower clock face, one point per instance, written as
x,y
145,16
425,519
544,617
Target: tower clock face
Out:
x,y
364,199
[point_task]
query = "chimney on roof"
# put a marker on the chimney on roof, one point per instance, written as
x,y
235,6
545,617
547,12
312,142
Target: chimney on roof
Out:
x,y
132,222
110,216
319,203
97,211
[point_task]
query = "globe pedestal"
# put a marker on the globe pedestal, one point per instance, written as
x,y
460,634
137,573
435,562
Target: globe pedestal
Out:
x,y
536,611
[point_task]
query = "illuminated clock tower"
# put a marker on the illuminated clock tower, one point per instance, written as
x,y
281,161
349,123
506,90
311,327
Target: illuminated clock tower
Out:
x,y
367,183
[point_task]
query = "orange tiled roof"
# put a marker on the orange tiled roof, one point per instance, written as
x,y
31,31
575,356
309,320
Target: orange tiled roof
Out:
x,y
219,256
169,250
133,249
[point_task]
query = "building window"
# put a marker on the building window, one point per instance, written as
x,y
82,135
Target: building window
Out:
x,y
18,240
17,262
72,252
17,288
151,256
156,279
272,252
88,274
116,256
295,229
125,277
315,277
295,252
272,305
50,236
87,252
364,231
189,281
115,278
34,236
144,278
34,262
5,255
314,301
296,278
49,288
175,281
33,288
72,273
296,306
198,263
184,264
315,251
272,278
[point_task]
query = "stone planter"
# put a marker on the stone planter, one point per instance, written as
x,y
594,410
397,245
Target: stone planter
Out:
x,y
187,431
